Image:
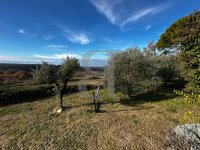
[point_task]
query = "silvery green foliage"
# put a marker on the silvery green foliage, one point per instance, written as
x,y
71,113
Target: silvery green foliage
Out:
x,y
67,68
131,71
60,76
65,72
167,67
184,137
45,74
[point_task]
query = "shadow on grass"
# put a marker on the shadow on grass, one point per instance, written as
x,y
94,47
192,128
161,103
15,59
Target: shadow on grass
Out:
x,y
148,97
27,95
161,95
136,105
124,110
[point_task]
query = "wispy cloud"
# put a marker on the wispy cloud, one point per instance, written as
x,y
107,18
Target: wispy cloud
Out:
x,y
49,37
107,39
118,16
56,47
21,31
138,15
148,27
28,34
56,56
76,36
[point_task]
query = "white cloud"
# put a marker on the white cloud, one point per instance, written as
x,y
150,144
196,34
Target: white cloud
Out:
x,y
56,56
56,47
3,58
11,59
53,59
140,14
120,16
76,37
21,31
148,27
104,8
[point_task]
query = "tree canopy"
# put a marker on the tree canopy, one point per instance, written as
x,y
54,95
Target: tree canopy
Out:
x,y
184,36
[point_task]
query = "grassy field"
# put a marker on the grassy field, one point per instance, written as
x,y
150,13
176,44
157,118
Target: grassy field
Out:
x,y
138,123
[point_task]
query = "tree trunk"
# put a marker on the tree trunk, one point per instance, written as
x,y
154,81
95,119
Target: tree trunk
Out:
x,y
129,90
168,79
60,92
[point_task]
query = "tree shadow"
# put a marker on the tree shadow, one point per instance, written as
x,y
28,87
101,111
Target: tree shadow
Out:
x,y
163,94
148,97
85,104
125,110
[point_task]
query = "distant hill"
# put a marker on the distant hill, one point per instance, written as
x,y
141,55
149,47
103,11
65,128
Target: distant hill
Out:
x,y
30,67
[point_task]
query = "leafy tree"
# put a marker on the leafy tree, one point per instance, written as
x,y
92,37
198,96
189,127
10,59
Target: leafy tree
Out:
x,y
130,70
165,63
65,72
184,36
45,74
167,67
57,75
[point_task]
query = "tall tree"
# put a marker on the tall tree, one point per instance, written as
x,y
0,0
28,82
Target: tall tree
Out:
x,y
184,36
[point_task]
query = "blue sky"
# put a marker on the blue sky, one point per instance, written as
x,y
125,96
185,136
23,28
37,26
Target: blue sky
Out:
x,y
35,30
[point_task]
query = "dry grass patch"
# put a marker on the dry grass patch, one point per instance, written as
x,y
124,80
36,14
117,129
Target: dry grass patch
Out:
x,y
119,126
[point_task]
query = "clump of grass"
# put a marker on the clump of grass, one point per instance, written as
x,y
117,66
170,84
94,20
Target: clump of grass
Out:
x,y
15,109
172,109
83,114
133,119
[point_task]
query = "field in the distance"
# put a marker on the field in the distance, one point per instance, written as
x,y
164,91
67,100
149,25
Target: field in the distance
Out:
x,y
138,123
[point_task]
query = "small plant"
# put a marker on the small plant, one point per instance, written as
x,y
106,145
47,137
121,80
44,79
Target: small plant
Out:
x,y
133,119
189,116
172,109
189,98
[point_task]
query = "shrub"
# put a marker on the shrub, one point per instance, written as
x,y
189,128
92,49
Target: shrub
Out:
x,y
22,75
59,76
132,71
45,74
11,71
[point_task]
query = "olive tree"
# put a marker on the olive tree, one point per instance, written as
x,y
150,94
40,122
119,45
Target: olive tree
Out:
x,y
58,75
164,61
130,69
45,74
167,67
64,74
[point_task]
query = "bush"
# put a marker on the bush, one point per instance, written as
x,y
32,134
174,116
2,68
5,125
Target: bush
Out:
x,y
132,71
45,74
11,71
22,75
